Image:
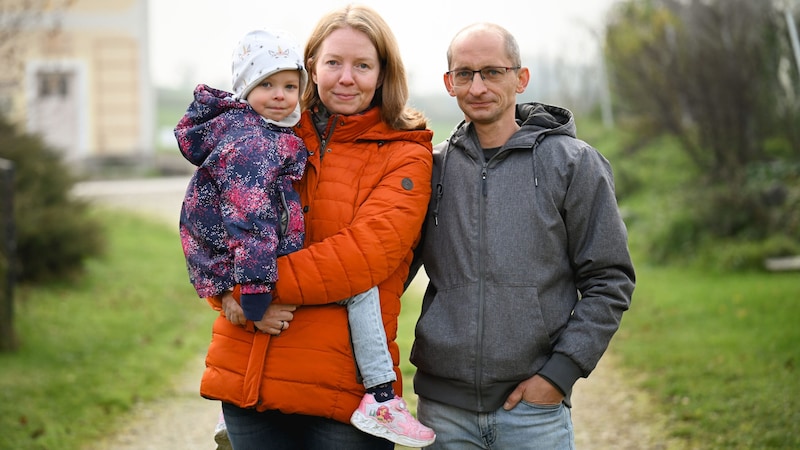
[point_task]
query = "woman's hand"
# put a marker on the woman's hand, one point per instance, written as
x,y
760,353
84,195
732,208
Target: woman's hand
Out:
x,y
275,320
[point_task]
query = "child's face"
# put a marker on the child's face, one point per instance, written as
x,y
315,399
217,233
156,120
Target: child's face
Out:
x,y
277,96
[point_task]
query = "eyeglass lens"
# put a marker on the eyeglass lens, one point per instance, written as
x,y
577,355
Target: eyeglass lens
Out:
x,y
462,77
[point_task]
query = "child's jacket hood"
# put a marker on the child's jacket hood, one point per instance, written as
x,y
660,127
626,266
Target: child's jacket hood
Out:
x,y
208,119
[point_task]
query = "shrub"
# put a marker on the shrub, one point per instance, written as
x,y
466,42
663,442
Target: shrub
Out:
x,y
54,231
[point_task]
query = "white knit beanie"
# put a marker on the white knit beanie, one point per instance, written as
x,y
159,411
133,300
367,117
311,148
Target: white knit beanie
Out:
x,y
260,54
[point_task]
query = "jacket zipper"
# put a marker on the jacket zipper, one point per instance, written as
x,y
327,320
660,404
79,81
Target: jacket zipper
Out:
x,y
482,285
285,214
484,189
323,141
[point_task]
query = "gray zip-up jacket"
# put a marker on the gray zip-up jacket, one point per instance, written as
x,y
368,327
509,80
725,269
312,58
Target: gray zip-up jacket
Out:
x,y
528,262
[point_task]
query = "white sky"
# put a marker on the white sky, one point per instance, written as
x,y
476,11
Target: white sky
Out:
x,y
192,40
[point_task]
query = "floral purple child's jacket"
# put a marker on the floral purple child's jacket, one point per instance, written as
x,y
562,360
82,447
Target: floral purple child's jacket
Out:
x,y
240,210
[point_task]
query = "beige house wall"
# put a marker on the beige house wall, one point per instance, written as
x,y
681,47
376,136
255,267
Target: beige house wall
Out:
x,y
86,86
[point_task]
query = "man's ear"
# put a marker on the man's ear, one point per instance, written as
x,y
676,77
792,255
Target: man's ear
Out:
x,y
523,78
448,85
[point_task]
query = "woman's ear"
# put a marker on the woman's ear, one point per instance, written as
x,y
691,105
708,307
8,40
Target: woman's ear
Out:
x,y
380,80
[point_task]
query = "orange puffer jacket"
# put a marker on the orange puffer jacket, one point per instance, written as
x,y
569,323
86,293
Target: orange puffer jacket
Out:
x,y
365,193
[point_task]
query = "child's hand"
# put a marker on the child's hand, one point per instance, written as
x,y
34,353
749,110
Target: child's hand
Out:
x,y
232,309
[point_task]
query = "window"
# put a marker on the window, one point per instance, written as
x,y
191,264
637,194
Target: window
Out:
x,y
53,84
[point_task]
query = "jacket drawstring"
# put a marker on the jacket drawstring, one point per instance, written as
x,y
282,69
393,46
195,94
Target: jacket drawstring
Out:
x,y
440,185
539,139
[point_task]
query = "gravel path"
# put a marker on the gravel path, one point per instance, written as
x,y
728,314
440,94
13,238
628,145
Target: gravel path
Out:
x,y
608,412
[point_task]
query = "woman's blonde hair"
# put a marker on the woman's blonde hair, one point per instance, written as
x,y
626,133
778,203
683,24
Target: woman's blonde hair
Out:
x,y
392,95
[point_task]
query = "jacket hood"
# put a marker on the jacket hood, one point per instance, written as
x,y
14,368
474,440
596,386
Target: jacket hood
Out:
x,y
208,119
546,118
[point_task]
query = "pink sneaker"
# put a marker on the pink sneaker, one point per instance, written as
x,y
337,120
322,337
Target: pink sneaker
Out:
x,y
391,420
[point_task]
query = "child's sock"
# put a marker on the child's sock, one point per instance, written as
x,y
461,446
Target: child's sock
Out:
x,y
382,392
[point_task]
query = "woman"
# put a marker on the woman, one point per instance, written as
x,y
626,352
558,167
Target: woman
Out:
x,y
364,194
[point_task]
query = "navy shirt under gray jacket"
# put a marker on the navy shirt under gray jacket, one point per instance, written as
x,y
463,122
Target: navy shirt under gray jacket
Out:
x,y
528,262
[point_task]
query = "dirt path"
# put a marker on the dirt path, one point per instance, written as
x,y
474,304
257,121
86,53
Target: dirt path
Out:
x,y
608,412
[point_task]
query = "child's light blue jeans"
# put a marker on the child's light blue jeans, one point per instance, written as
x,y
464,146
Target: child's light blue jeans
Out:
x,y
369,338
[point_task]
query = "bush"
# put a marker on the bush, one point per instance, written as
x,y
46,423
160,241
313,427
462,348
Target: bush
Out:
x,y
54,231
739,255
678,216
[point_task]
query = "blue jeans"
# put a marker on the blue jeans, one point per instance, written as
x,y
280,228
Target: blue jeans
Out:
x,y
249,429
369,338
526,427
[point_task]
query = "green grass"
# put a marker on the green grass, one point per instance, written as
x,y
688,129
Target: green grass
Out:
x,y
720,352
91,349
411,304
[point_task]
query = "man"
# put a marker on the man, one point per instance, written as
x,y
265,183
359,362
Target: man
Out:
x,y
527,258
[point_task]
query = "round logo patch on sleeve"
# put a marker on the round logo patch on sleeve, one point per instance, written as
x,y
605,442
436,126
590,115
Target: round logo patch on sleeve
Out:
x,y
407,184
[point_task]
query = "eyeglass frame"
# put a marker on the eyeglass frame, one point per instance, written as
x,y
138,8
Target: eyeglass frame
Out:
x,y
450,74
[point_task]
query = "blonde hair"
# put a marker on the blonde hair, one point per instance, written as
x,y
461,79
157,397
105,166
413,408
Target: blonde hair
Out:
x,y
392,95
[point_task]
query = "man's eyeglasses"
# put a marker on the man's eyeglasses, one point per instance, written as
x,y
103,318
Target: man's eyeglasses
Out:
x,y
464,77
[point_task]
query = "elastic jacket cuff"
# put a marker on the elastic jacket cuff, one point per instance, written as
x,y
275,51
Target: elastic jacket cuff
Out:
x,y
562,372
255,305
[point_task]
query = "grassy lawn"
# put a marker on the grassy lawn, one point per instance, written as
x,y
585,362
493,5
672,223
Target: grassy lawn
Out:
x,y
91,349
720,352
